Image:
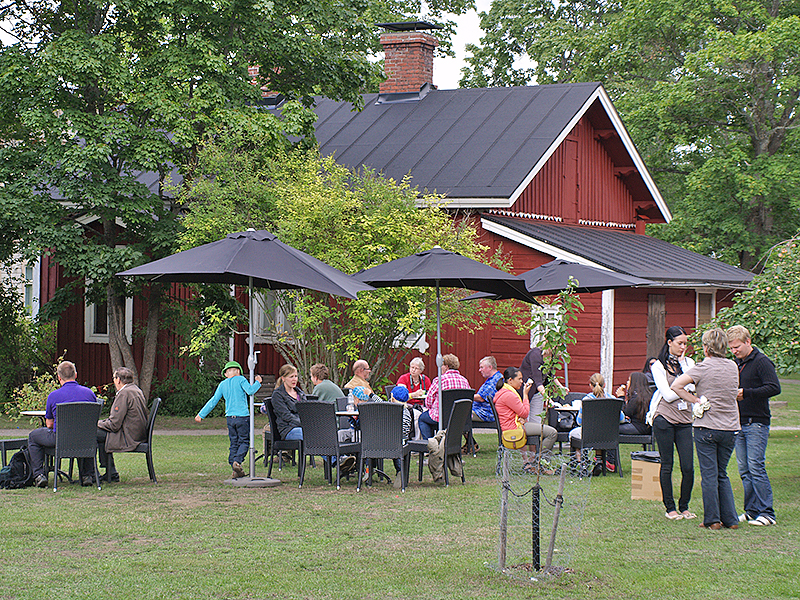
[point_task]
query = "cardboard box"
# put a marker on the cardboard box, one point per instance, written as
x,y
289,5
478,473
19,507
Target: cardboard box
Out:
x,y
645,483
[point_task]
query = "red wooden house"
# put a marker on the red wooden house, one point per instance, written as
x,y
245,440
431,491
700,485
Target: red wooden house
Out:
x,y
548,171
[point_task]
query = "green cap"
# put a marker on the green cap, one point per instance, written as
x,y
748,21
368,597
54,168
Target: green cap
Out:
x,y
231,363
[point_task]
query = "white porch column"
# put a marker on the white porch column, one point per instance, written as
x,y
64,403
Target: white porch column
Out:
x,y
607,340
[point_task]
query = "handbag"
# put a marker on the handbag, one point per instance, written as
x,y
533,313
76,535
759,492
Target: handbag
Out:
x,y
514,439
566,421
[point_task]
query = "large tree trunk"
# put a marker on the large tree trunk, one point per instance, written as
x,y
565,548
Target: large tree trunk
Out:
x,y
149,351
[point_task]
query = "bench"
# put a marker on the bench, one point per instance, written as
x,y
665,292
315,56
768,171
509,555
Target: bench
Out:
x,y
645,440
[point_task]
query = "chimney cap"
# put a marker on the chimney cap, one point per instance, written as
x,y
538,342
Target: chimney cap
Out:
x,y
409,26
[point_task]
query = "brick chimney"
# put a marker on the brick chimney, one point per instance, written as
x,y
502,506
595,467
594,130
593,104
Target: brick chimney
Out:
x,y
408,61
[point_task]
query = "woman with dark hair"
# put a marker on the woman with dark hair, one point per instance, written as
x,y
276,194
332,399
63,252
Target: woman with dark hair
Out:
x,y
284,403
715,426
637,401
671,418
510,407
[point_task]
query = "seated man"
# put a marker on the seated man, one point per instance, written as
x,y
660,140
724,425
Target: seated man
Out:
x,y
481,410
451,379
126,425
361,373
45,437
324,388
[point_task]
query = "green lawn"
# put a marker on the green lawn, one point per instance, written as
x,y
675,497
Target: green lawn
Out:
x,y
193,537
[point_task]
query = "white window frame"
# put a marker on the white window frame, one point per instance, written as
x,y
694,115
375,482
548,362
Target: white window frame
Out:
x,y
266,334
553,314
90,320
713,293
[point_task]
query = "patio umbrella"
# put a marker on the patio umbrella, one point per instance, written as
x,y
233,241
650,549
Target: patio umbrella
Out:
x,y
439,268
253,259
553,277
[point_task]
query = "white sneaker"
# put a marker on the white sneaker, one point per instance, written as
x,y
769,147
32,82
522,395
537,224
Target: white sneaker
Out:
x,y
744,517
763,521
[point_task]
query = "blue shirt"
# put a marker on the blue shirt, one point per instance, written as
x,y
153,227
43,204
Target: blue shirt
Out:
x,y
487,392
235,390
71,391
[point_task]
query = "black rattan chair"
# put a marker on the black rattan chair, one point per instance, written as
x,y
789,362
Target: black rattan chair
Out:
x,y
382,436
146,448
459,418
277,445
320,438
76,436
448,398
600,428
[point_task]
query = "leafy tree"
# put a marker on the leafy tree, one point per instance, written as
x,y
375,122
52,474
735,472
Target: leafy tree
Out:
x,y
769,309
94,95
350,220
708,90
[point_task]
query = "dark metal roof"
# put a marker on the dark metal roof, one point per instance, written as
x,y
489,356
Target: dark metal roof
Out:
x,y
466,143
631,253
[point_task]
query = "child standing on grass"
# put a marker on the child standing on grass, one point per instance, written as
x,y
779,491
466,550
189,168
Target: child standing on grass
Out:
x,y
235,389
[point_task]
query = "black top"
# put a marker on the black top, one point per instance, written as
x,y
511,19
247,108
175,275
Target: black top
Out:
x,y
286,417
759,382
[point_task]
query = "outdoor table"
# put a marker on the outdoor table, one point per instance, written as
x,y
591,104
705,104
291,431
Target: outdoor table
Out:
x,y
34,413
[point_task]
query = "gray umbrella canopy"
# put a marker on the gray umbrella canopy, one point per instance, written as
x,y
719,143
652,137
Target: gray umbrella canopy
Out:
x,y
253,259
439,268
553,277
250,257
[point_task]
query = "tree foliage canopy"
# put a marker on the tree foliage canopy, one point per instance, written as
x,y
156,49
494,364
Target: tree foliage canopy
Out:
x,y
350,220
709,91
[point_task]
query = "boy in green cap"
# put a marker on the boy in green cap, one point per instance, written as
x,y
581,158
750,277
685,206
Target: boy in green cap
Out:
x,y
235,389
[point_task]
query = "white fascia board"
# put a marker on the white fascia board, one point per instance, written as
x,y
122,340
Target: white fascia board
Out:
x,y
471,202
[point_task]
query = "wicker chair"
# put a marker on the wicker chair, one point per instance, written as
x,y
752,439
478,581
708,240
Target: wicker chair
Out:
x,y
382,436
76,436
320,438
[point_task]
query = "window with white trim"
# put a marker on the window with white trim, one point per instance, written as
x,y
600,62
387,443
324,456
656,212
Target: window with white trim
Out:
x,y
706,307
96,322
552,315
269,317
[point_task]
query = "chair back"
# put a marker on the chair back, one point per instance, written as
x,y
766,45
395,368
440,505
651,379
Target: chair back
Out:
x,y
341,404
448,398
76,432
388,390
572,396
461,411
381,429
273,422
318,420
600,423
151,422
496,424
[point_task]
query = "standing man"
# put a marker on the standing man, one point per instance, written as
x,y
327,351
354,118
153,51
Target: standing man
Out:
x,y
481,409
45,437
451,379
758,382
324,388
126,425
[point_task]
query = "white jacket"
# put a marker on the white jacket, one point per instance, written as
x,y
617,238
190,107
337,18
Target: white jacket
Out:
x,y
663,391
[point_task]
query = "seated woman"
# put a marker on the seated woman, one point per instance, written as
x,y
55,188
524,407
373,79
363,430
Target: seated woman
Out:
x,y
415,382
637,401
510,408
284,400
597,384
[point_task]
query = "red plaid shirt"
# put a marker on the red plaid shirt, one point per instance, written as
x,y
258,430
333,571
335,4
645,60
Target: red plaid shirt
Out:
x,y
451,380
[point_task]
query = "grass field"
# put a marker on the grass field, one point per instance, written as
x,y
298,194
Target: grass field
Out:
x,y
191,536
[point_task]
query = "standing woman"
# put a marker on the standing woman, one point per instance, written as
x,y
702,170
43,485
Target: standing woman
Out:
x,y
284,401
671,418
715,426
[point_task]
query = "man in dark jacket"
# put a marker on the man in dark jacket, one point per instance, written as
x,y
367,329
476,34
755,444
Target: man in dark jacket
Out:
x,y
758,382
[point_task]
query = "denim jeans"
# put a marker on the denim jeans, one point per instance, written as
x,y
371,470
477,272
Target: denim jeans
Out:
x,y
669,437
239,435
751,450
714,448
427,426
295,434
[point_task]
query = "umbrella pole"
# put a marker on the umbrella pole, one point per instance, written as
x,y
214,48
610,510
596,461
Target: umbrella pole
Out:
x,y
439,352
251,363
